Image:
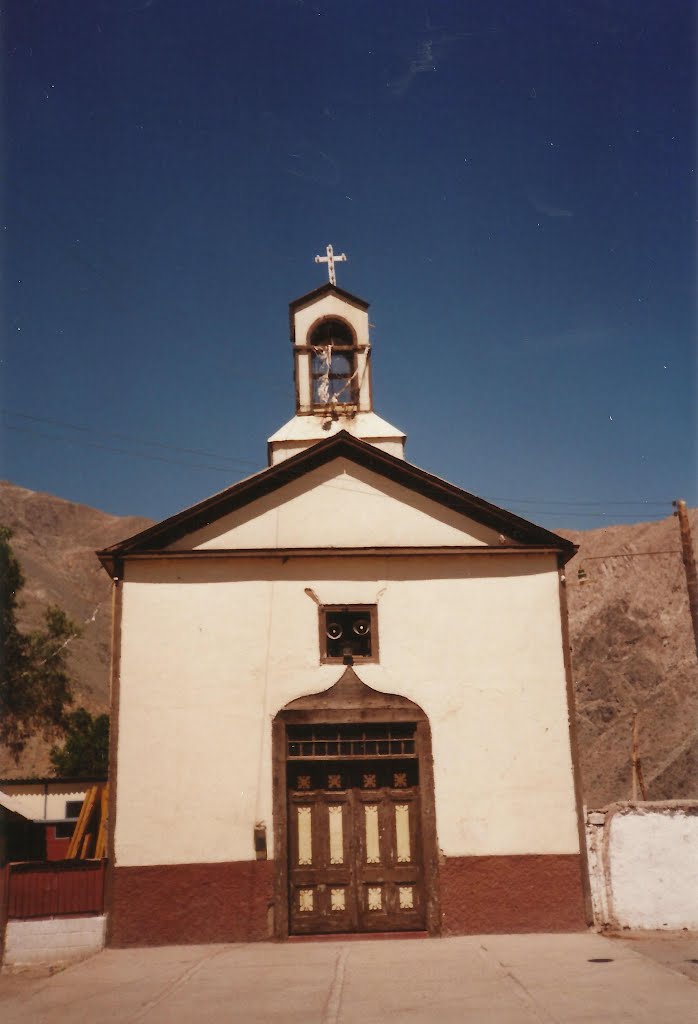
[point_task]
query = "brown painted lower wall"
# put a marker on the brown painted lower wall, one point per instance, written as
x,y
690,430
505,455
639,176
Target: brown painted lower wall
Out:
x,y
175,904
505,895
232,902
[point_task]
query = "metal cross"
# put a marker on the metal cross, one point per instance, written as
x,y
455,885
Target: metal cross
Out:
x,y
330,260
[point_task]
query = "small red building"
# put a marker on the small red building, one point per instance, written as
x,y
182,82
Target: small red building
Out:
x,y
41,815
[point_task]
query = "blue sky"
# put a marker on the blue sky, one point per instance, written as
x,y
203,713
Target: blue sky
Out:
x,y
514,185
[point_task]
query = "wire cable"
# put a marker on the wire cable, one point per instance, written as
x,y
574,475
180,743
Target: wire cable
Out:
x,y
117,451
127,437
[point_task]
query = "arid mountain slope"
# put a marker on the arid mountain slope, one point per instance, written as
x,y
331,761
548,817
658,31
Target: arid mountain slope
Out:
x,y
55,542
630,628
633,649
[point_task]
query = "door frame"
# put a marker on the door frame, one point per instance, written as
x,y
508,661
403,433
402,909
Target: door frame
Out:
x,y
351,702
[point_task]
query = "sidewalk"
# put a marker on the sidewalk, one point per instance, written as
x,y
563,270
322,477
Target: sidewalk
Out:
x,y
494,979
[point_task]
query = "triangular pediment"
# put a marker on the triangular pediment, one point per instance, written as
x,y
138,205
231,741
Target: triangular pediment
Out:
x,y
320,293
339,505
341,492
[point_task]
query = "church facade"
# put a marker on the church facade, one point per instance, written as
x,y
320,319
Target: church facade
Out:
x,y
341,692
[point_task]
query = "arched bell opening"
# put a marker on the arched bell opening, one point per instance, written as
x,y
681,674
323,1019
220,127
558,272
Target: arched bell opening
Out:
x,y
333,364
355,836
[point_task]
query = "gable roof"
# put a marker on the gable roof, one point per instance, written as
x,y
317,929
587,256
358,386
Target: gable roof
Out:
x,y
362,453
326,289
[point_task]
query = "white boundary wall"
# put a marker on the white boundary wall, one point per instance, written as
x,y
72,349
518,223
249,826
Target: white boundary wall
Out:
x,y
643,865
52,940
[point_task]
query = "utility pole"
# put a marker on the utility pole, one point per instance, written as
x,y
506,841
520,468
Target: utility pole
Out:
x,y
689,565
637,777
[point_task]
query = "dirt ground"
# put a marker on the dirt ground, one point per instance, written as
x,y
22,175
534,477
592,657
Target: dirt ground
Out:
x,y
678,950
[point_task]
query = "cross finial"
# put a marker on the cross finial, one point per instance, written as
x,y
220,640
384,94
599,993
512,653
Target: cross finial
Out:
x,y
330,260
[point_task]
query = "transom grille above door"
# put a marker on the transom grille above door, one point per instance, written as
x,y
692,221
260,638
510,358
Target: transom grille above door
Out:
x,y
351,741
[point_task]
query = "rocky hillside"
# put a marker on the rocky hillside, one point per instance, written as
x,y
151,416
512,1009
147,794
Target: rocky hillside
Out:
x,y
55,542
632,643
633,649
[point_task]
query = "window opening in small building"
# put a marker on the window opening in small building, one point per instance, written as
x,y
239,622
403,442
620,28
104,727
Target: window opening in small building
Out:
x,y
349,630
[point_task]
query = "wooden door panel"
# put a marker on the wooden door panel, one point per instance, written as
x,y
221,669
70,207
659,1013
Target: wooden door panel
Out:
x,y
389,874
321,897
354,847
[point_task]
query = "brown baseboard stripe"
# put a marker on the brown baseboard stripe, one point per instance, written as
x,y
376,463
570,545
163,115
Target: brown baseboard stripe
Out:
x,y
162,905
506,895
175,904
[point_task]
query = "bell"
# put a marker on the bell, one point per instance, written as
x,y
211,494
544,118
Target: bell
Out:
x,y
334,630
362,627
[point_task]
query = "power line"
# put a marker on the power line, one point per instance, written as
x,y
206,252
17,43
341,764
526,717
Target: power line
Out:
x,y
610,518
248,462
125,437
629,554
587,515
544,506
581,501
225,469
117,451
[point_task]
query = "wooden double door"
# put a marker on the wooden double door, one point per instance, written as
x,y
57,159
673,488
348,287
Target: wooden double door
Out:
x,y
354,843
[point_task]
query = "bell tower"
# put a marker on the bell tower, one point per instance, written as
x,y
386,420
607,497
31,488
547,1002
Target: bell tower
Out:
x,y
332,372
329,332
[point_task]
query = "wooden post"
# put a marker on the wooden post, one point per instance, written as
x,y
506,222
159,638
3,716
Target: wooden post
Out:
x,y
638,779
689,565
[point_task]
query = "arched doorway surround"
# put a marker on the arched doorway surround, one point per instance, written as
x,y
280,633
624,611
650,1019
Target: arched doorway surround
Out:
x,y
354,822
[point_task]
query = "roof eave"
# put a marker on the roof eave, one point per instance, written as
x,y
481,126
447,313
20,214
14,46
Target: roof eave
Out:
x,y
346,445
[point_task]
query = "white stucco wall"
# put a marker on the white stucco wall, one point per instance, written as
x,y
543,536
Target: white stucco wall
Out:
x,y
53,940
340,505
212,650
301,432
644,865
330,306
282,450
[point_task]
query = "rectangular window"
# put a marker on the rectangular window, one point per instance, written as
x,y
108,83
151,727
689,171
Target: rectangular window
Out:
x,y
348,630
73,808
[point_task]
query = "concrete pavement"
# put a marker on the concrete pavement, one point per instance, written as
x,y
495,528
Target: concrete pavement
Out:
x,y
496,979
